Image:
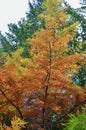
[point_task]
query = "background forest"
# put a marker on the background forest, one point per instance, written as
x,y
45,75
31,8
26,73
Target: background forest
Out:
x,y
43,69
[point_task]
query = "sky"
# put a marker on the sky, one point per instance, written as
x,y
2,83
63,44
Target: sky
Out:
x,y
74,3
11,11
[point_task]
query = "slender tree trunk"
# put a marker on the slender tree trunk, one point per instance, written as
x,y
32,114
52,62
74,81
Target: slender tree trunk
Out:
x,y
44,107
47,79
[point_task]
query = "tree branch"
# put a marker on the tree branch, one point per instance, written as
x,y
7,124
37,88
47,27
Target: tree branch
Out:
x,y
16,107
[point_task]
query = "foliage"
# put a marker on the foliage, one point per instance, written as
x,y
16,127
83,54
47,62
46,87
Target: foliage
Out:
x,y
18,33
76,122
16,124
80,77
39,89
79,43
5,46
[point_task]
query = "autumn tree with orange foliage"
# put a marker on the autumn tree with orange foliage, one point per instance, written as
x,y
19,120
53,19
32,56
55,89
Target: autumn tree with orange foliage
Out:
x,y
39,89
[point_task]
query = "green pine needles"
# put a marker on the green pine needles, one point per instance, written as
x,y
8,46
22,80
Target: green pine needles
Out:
x,y
76,122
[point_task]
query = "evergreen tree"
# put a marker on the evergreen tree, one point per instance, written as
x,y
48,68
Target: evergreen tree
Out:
x,y
5,45
24,29
76,122
19,33
79,43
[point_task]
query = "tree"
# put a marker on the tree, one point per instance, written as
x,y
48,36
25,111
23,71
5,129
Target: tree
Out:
x,y
18,33
5,46
80,77
76,122
40,88
83,2
49,52
16,124
79,43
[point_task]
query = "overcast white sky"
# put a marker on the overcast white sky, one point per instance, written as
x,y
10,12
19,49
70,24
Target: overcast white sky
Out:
x,y
12,10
